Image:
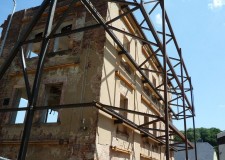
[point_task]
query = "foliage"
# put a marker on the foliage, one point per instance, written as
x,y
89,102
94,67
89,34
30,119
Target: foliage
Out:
x,y
202,135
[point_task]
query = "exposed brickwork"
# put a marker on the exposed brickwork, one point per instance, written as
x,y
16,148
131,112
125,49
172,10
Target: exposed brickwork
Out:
x,y
73,139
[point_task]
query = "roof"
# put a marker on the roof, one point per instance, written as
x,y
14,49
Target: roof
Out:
x,y
205,151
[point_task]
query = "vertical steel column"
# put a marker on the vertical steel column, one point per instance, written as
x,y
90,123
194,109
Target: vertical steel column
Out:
x,y
193,118
35,90
196,153
25,75
184,109
165,81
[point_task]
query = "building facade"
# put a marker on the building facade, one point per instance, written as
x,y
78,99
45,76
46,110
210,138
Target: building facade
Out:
x,y
87,68
221,144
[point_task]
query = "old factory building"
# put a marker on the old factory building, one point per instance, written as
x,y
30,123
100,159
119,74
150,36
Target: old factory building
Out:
x,y
81,80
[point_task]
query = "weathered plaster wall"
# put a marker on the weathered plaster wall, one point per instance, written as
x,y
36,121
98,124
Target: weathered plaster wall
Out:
x,y
111,89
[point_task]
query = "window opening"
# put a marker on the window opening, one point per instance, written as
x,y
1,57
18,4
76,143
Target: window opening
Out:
x,y
6,101
21,114
126,66
146,120
147,91
20,101
154,127
63,43
126,44
154,81
53,96
66,28
34,49
146,72
123,105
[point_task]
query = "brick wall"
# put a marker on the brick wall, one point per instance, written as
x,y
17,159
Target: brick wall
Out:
x,y
67,140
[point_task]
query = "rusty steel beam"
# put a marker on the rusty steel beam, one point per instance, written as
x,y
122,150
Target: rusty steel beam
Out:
x,y
50,33
35,90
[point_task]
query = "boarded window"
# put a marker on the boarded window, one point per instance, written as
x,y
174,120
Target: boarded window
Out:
x,y
20,101
52,98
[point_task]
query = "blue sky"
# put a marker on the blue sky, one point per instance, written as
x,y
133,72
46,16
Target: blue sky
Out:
x,y
200,30
199,27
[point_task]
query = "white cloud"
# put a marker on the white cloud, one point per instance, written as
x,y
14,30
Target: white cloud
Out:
x,y
158,19
214,4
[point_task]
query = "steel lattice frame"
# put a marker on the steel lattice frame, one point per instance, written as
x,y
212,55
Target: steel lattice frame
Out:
x,y
180,83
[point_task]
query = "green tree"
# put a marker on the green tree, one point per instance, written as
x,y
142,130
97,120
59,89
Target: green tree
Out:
x,y
202,134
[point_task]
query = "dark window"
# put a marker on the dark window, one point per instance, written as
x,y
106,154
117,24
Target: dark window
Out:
x,y
154,81
126,67
6,102
39,35
66,28
126,43
146,120
146,72
147,91
154,127
124,105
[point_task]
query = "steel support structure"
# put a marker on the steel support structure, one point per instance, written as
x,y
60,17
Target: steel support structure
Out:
x,y
176,82
165,81
32,96
184,109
